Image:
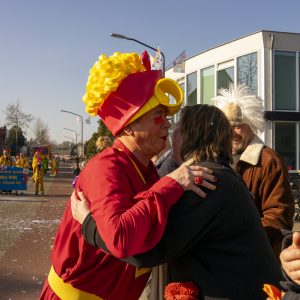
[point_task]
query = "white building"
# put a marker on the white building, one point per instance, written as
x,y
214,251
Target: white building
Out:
x,y
268,62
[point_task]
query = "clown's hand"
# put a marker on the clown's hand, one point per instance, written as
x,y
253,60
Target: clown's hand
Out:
x,y
191,177
79,206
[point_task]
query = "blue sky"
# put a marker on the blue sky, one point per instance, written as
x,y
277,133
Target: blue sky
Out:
x,y
48,47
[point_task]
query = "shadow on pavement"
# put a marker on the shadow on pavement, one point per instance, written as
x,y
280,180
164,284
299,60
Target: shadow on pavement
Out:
x,y
13,286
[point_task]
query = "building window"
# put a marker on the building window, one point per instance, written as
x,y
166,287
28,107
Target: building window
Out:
x,y
191,88
207,84
175,118
285,142
247,71
285,80
182,85
225,78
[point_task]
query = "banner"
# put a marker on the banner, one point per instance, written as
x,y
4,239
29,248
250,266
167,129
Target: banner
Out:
x,y
13,179
44,150
179,63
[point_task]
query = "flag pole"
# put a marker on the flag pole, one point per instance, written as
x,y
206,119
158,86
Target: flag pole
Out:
x,y
120,36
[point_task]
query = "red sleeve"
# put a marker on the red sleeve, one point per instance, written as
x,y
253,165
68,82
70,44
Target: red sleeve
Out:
x,y
130,216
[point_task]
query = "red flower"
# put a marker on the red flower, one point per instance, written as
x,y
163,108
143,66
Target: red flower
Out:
x,y
181,291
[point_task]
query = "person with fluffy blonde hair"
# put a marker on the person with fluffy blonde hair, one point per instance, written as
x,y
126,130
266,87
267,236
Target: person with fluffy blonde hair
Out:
x,y
263,169
103,142
128,200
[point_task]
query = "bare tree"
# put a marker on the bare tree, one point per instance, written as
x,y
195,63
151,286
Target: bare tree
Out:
x,y
41,134
15,117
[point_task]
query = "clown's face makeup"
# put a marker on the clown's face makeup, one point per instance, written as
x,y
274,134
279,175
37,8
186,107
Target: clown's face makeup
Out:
x,y
151,131
159,120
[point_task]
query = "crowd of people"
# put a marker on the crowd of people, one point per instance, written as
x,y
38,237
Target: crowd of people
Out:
x,y
39,164
6,160
213,212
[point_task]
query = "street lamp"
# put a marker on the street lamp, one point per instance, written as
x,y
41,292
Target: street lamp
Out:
x,y
70,112
75,132
121,36
68,137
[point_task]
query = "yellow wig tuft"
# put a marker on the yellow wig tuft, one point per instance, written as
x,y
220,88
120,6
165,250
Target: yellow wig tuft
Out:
x,y
106,75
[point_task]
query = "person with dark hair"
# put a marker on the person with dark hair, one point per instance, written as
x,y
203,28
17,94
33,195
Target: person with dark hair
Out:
x,y
218,244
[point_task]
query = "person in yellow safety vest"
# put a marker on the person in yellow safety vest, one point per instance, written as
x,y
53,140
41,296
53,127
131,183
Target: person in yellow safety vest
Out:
x,y
38,173
34,163
5,159
15,160
53,166
21,161
57,161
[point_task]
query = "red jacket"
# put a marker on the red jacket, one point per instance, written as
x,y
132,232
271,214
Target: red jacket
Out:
x,y
131,217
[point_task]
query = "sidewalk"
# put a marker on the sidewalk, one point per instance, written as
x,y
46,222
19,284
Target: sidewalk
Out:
x,y
27,227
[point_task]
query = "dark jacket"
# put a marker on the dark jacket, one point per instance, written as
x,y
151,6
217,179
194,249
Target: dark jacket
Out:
x,y
217,243
166,164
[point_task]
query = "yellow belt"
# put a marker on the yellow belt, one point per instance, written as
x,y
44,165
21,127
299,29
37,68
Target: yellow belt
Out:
x,y
65,291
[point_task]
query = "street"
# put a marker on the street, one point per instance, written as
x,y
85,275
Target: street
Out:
x,y
27,228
